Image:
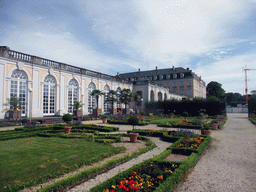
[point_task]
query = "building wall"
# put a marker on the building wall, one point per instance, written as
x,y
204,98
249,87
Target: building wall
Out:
x,y
36,76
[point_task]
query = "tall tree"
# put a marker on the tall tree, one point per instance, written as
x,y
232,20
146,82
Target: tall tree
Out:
x,y
97,93
253,92
125,97
111,97
214,89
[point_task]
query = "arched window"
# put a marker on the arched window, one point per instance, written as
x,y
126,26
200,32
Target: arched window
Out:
x,y
49,95
72,94
18,88
91,99
106,104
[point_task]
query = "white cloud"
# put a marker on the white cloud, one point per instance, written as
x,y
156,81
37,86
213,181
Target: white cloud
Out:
x,y
229,72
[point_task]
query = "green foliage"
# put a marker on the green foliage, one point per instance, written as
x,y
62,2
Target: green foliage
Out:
x,y
133,120
252,104
214,89
67,118
125,97
13,103
111,98
77,104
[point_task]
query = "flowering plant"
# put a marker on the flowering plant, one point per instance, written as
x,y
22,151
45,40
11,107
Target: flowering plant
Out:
x,y
147,179
190,143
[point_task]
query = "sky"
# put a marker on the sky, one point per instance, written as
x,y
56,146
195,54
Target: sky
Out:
x,y
214,38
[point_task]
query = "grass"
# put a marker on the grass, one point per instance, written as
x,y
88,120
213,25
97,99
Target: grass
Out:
x,y
40,158
156,120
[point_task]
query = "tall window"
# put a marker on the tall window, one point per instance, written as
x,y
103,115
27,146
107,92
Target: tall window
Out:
x,y
49,95
91,99
72,94
19,82
106,104
118,106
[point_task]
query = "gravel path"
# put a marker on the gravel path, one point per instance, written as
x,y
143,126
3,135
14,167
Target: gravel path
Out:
x,y
161,146
230,163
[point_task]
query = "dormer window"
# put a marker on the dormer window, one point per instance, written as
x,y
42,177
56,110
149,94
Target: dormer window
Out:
x,y
160,77
181,75
174,76
167,76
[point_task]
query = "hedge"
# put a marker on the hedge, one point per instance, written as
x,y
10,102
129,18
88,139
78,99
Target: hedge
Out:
x,y
121,122
98,128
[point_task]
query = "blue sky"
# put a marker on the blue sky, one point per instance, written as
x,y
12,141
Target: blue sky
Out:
x,y
213,38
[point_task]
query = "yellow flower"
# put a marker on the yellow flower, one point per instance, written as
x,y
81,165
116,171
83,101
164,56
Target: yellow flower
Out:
x,y
5,187
113,186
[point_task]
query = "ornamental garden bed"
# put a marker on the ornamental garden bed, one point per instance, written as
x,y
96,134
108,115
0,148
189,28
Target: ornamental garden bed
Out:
x,y
124,122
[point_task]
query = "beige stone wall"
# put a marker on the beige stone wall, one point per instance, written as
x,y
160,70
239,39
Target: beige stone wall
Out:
x,y
9,67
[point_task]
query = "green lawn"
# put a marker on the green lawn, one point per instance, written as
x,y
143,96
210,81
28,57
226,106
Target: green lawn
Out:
x,y
156,120
40,158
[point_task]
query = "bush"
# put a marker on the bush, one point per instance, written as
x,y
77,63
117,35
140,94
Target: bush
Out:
x,y
67,118
133,120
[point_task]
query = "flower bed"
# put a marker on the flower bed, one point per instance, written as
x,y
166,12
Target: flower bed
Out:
x,y
148,176
185,125
190,143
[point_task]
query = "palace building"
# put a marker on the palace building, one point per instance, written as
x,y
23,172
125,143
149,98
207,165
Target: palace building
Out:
x,y
49,88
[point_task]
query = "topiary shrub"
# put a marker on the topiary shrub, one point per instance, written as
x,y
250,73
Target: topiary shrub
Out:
x,y
67,118
133,120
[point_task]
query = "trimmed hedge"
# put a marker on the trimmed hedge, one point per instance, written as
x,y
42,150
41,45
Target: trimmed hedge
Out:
x,y
175,125
253,120
98,128
121,122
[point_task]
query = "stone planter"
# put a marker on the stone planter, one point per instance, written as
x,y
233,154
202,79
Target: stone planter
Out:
x,y
133,137
142,119
214,126
14,114
185,121
67,129
104,120
206,132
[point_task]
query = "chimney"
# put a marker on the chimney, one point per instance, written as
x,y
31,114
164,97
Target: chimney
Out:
x,y
156,67
139,69
117,73
188,69
173,68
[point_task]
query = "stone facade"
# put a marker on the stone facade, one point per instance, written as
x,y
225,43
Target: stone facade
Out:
x,y
48,88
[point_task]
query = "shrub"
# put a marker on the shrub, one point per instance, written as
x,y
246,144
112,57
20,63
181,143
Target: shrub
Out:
x,y
133,120
67,118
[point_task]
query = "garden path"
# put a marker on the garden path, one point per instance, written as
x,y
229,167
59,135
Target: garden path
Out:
x,y
230,162
161,146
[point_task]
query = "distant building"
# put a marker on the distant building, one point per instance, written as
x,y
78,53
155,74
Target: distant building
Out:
x,y
179,80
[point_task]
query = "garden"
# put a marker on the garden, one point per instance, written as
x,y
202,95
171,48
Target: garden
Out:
x,y
34,154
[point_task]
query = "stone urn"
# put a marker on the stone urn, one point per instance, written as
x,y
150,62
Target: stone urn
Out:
x,y
133,137
104,121
214,126
206,132
67,129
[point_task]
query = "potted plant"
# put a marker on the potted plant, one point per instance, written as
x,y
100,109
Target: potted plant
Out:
x,y
76,110
67,118
142,116
185,114
214,124
171,115
14,104
206,129
133,120
104,118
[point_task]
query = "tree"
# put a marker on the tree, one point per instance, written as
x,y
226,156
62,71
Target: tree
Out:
x,y
97,93
111,98
233,99
214,89
253,92
125,97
